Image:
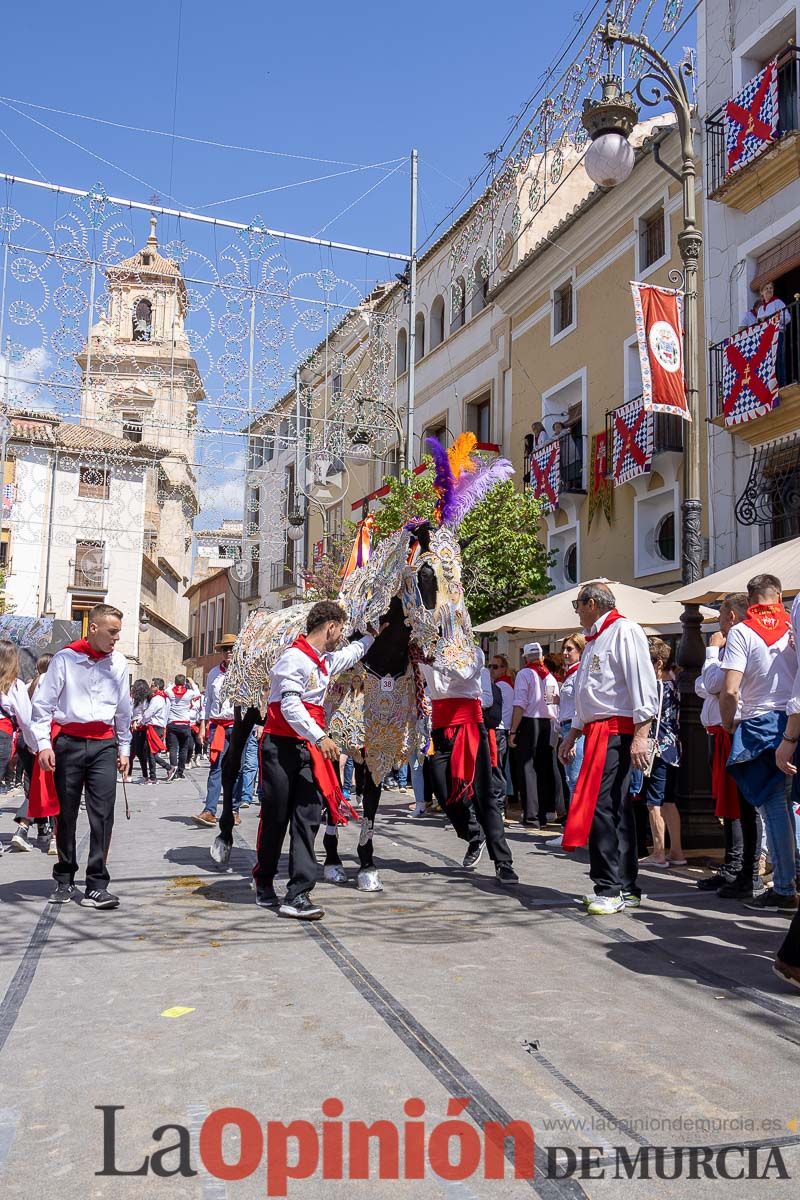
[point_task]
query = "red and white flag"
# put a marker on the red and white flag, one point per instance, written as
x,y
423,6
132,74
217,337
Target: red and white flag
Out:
x,y
659,329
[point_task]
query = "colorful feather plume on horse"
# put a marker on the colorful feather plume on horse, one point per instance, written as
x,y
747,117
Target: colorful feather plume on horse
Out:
x,y
462,480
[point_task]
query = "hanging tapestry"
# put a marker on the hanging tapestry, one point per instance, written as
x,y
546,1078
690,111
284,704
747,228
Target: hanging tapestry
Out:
x,y
659,331
632,446
546,473
751,119
749,381
601,491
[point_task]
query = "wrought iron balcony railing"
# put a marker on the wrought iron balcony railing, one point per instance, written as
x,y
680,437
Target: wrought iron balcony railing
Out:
x,y
89,576
667,433
281,576
788,120
787,363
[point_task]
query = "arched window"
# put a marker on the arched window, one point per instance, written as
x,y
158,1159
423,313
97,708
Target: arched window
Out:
x,y
402,351
458,304
419,337
142,321
480,288
436,328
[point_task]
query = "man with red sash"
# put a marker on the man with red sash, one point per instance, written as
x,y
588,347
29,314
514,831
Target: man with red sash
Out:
x,y
82,725
535,692
616,698
738,877
760,664
298,760
219,721
461,764
180,717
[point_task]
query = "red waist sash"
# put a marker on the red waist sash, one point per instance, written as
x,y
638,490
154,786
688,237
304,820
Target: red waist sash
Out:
x,y
461,718
323,770
42,795
587,789
154,739
96,731
6,725
493,747
723,788
219,725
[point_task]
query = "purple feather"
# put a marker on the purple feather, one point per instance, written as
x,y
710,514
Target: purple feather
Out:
x,y
471,489
443,480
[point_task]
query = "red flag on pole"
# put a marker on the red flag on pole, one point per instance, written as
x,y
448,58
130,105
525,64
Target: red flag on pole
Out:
x,y
659,329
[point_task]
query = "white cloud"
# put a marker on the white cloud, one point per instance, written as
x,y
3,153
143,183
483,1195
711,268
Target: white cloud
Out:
x,y
23,380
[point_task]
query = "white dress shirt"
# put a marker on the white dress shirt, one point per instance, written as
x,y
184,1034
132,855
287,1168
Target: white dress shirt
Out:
x,y
507,692
215,708
531,694
297,681
461,683
616,677
16,704
566,708
137,715
708,686
768,672
156,712
77,689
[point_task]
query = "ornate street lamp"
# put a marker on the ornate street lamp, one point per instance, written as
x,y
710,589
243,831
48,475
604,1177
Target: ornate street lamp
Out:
x,y
609,160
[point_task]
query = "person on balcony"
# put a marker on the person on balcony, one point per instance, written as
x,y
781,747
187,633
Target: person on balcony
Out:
x,y
769,305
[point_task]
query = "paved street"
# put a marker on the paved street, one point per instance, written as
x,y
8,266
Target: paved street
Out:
x,y
441,987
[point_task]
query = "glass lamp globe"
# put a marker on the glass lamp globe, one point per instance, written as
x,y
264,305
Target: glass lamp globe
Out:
x,y
609,159
294,533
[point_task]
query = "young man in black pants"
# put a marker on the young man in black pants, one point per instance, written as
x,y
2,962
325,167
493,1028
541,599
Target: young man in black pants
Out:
x,y
82,726
298,772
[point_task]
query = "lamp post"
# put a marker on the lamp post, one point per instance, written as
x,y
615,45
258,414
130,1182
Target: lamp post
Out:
x,y
609,161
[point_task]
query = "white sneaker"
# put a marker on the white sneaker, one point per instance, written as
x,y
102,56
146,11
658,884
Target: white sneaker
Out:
x,y
605,906
20,842
52,848
556,843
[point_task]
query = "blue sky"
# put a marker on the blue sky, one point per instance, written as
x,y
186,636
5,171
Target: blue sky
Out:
x,y
361,83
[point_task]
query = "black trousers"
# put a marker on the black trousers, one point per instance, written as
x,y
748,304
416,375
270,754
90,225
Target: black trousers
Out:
x,y
289,799
139,750
483,807
178,741
537,769
85,764
613,863
6,743
752,827
152,757
371,800
499,772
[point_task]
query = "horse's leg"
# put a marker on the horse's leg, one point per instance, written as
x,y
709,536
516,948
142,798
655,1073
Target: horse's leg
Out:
x,y
368,878
231,763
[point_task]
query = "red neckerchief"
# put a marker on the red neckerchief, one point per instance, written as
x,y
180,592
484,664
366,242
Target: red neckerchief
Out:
x,y
539,669
179,691
82,647
301,643
607,621
505,679
571,670
163,695
223,666
769,621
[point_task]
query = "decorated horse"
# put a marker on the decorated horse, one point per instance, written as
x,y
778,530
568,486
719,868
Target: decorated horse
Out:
x,y
411,584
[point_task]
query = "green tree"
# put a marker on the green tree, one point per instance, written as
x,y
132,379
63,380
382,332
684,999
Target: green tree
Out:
x,y
6,606
504,563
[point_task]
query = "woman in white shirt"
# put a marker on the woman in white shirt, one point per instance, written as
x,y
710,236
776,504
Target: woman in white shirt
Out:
x,y
15,705
140,695
26,753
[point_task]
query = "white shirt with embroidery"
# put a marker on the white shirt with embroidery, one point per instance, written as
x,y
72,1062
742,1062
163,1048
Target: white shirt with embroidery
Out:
x,y
297,679
457,683
616,677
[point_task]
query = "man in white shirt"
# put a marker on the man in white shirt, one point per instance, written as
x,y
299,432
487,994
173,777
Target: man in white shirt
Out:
x,y
461,763
738,878
82,725
616,699
297,760
535,692
760,664
218,719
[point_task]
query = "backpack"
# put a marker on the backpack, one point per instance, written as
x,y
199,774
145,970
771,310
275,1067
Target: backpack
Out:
x,y
493,717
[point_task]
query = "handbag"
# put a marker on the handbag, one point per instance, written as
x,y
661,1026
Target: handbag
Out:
x,y
648,770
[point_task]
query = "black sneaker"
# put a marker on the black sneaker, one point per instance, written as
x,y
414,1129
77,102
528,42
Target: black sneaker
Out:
x,y
99,899
505,875
772,901
302,908
740,891
474,854
714,882
63,894
266,897
171,773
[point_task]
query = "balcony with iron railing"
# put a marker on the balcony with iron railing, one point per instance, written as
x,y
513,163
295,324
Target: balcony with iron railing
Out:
x,y
572,460
667,432
776,165
784,418
281,576
88,576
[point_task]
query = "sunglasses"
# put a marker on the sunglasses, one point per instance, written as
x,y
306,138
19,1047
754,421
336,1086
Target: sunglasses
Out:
x,y
580,600
494,666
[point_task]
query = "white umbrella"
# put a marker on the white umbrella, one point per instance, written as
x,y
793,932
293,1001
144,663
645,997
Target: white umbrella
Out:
x,y
783,561
555,613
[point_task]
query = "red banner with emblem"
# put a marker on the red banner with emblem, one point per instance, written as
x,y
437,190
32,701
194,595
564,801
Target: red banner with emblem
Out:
x,y
659,330
601,490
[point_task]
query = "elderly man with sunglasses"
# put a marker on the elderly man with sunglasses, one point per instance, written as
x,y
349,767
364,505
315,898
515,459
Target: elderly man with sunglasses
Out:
x,y
616,698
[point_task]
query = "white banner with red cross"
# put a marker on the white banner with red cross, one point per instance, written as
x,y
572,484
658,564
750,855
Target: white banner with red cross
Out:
x,y
632,442
546,473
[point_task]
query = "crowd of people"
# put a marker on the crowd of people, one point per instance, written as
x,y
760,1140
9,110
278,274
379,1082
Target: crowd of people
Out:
x,y
588,738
